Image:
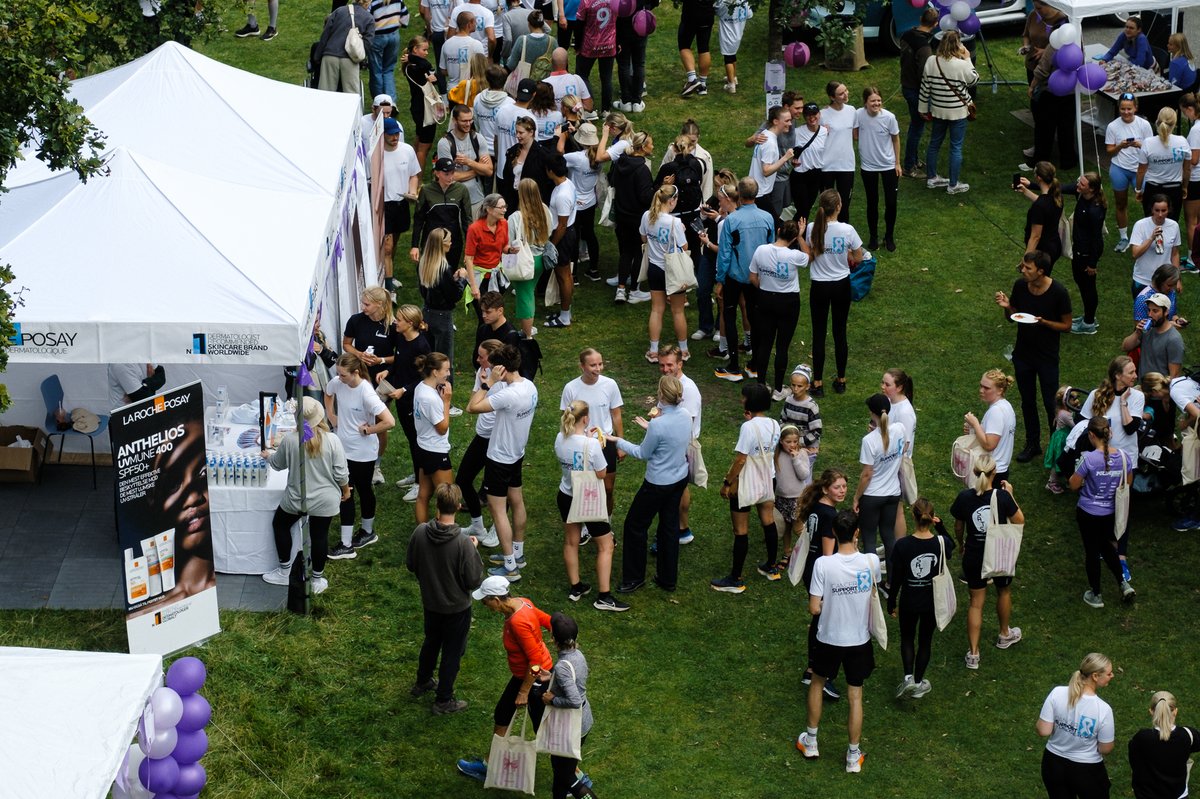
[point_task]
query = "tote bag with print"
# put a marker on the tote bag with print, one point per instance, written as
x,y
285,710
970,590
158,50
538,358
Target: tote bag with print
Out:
x,y
1002,546
945,601
561,729
588,500
512,761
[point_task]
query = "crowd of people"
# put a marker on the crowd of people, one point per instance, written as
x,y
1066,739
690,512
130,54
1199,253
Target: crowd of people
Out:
x,y
531,163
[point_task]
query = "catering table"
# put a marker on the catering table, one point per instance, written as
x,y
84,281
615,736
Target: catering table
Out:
x,y
1150,101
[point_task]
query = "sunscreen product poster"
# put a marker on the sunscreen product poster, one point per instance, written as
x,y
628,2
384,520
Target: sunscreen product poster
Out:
x,y
163,523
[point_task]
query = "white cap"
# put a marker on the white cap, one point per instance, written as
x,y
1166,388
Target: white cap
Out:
x,y
492,586
382,99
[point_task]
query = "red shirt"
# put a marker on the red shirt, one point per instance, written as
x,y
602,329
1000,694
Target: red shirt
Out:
x,y
599,28
523,639
485,246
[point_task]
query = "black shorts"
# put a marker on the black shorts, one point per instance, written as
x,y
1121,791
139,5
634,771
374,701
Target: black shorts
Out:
x,y
431,462
656,277
564,510
507,706
568,247
396,218
610,456
1193,191
499,477
972,567
734,507
426,133
858,661
695,22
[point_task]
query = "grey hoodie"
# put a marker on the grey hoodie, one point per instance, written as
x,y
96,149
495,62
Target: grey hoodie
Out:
x,y
487,105
446,564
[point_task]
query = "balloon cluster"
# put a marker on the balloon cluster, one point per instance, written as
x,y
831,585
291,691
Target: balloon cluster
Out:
x,y
644,23
796,54
1071,71
956,16
163,764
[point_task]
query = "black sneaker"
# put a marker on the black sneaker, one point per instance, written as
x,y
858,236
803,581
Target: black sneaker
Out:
x,y
584,536
630,587
448,707
581,590
342,552
830,691
816,391
592,274
610,603
270,34
839,386
246,31
420,688
718,353
703,90
1030,452
363,539
690,87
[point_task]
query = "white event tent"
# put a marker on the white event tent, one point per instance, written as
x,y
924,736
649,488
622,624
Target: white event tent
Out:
x,y
232,210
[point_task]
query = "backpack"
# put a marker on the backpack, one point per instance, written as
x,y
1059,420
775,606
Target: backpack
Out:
x,y
448,136
540,69
531,357
689,173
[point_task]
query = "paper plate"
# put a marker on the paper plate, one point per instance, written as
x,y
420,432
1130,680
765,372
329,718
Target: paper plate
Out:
x,y
1024,318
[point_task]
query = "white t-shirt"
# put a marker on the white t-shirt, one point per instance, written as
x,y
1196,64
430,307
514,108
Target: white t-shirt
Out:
x,y
834,263
547,124
814,154
1117,437
665,235
902,412
617,148
1193,139
692,402
581,173
778,268
839,146
428,410
1117,132
764,154
601,397
844,583
484,19
571,458
885,479
758,435
1164,162
456,57
356,407
439,14
1078,730
565,84
514,409
876,153
399,166
1000,419
1184,391
506,131
124,379
1144,266
487,421
562,202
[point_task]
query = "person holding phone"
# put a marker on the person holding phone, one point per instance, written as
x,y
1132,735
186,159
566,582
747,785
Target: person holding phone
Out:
x,y
775,272
1123,139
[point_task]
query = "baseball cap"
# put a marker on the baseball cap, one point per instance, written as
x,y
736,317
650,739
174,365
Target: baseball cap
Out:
x,y
525,89
586,135
444,165
391,127
810,109
382,99
492,586
1161,300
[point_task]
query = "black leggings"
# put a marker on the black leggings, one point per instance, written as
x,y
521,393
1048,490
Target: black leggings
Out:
x,y
472,463
891,191
1066,779
583,68
774,323
918,625
805,188
585,225
629,247
1087,285
844,183
731,291
822,298
361,473
404,415
318,531
1098,544
564,776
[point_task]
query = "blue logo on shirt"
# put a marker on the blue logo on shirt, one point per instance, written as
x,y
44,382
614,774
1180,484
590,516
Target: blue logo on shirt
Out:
x,y
1086,727
864,580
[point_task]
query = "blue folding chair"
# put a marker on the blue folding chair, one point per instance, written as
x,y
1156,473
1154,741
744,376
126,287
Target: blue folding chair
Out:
x,y
52,395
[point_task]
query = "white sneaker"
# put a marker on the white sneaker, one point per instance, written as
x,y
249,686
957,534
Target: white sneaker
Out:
x,y
411,496
377,477
699,335
319,584
407,481
613,281
808,745
731,87
1122,244
455,412
1024,167
905,687
716,336
620,297
936,182
620,106
636,296
921,689
488,537
854,761
780,395
1028,152
637,108
277,576
958,188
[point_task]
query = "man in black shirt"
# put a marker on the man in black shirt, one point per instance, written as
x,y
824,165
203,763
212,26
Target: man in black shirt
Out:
x,y
495,324
1042,307
915,49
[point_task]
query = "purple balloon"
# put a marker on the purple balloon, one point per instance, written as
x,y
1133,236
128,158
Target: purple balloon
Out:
x,y
159,775
190,746
625,8
644,23
196,713
191,778
167,796
970,25
1061,83
1069,57
796,54
186,675
1092,77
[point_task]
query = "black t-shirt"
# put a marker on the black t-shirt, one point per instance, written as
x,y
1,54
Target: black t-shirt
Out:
x,y
915,563
1036,341
445,293
1160,767
416,70
974,511
820,526
403,374
1045,212
505,334
363,332
1087,229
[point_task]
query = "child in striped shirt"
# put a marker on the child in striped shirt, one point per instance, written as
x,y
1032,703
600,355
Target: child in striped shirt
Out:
x,y
802,411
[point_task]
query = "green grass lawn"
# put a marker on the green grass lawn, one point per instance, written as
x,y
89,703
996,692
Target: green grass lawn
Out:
x,y
698,693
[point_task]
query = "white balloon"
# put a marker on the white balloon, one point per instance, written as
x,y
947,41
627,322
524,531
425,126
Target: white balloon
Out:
x,y
974,3
1056,38
1070,34
960,10
163,743
947,23
136,789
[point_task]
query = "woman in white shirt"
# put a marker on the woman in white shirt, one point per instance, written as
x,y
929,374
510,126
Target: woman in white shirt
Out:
x,y
999,426
1161,165
878,135
1123,139
808,154
833,246
663,233
431,415
878,492
603,398
358,416
838,167
1080,731
583,169
897,386
1190,107
775,272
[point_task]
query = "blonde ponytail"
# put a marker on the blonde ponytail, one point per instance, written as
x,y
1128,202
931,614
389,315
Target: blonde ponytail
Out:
x,y
1162,710
985,472
1093,663
571,416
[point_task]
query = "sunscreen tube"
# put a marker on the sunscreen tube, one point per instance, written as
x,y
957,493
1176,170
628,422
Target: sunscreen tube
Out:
x,y
150,553
164,542
136,578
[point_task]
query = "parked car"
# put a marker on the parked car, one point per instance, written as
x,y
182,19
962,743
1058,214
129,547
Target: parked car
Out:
x,y
886,22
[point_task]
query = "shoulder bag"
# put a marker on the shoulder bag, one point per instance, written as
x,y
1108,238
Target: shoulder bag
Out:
x,y
1191,454
681,273
1121,501
1002,546
435,105
945,601
963,453
908,481
356,51
518,265
588,500
512,760
561,729
697,471
877,623
799,557
967,102
519,73
754,481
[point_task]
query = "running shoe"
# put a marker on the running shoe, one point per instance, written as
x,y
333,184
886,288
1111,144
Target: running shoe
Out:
x,y
1122,244
854,761
511,576
610,603
936,182
246,31
922,688
808,745
724,373
728,585
277,576
1127,592
270,34
342,552
958,188
363,539
971,661
905,687
475,769
770,571
686,536
1092,599
579,591
1005,641
498,559
690,87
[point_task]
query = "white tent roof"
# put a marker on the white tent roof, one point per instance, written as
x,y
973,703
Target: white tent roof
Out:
x,y
1080,9
69,718
209,235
